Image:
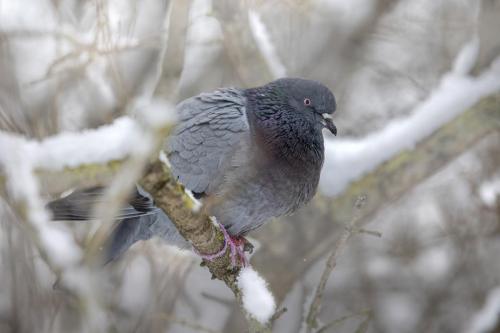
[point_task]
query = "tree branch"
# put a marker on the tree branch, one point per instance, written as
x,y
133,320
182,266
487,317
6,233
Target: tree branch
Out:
x,y
195,226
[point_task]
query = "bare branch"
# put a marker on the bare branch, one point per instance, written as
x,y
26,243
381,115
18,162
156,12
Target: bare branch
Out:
x,y
331,262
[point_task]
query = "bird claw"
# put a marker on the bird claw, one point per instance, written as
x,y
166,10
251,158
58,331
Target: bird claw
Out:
x,y
238,245
243,243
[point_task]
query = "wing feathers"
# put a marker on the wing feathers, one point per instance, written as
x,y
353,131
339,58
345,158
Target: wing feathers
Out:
x,y
210,130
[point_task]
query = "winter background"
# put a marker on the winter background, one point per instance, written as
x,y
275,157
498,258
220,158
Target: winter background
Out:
x,y
86,83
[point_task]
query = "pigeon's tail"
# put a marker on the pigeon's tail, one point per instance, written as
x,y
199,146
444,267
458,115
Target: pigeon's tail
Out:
x,y
140,219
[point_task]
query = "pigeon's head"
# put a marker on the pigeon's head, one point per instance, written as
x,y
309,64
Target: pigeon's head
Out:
x,y
310,97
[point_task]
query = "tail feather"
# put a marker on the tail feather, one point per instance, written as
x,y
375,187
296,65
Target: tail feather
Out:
x,y
140,219
78,206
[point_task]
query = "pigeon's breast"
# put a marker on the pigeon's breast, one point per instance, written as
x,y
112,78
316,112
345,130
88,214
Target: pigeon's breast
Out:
x,y
268,185
263,190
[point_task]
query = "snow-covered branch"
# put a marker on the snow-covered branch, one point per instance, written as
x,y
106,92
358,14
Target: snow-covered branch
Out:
x,y
458,91
127,141
205,237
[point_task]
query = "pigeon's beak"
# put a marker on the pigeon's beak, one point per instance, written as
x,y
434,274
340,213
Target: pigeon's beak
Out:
x,y
328,123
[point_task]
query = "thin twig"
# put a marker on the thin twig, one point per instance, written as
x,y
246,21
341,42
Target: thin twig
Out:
x,y
312,316
337,321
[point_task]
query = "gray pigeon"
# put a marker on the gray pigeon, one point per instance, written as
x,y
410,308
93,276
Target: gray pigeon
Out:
x,y
251,155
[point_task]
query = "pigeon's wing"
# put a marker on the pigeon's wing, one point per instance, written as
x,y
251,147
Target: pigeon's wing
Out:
x,y
211,128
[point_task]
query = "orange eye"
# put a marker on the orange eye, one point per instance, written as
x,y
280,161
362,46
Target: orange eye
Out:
x,y
307,101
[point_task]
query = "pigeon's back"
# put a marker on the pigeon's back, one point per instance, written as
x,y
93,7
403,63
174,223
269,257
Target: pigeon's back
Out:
x,y
212,128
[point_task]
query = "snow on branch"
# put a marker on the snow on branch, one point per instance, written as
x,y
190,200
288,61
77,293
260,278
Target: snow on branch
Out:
x,y
256,298
457,92
124,140
20,161
72,149
205,237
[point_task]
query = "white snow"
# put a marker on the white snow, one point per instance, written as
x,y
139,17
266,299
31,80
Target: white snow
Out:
x,y
486,319
16,162
257,299
466,59
70,149
21,157
348,159
196,203
489,191
265,45
24,14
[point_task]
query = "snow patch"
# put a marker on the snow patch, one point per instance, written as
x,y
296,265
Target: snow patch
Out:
x,y
196,203
17,162
466,59
257,299
70,149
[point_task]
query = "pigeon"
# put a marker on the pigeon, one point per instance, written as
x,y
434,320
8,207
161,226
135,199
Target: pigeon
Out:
x,y
250,155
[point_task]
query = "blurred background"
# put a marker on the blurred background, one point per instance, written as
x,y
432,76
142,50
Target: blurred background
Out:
x,y
418,90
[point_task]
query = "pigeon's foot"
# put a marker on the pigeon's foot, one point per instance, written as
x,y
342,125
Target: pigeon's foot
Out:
x,y
244,243
237,245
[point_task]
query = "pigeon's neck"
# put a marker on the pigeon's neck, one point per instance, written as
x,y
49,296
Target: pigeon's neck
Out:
x,y
283,133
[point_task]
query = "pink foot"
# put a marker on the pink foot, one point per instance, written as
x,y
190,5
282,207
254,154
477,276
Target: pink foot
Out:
x,y
237,245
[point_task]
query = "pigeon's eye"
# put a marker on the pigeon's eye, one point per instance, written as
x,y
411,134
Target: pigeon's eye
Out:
x,y
307,101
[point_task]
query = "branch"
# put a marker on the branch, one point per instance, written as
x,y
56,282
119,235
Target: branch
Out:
x,y
158,180
331,263
196,227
